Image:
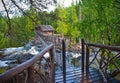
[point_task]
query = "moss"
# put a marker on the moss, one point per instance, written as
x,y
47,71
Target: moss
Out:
x,y
2,70
117,77
19,60
75,61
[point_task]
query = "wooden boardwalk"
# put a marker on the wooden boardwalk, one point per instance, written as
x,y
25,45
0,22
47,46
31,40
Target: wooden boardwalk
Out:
x,y
84,74
75,75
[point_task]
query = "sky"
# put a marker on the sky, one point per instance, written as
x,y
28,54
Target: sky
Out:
x,y
65,3
1,5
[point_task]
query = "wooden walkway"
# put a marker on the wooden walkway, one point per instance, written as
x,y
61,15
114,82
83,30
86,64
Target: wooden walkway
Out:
x,y
110,55
75,75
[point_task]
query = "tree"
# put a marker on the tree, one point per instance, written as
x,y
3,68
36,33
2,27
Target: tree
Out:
x,y
99,20
25,15
96,21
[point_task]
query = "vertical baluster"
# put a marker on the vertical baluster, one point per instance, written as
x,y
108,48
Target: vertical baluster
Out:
x,y
83,53
64,60
52,70
87,58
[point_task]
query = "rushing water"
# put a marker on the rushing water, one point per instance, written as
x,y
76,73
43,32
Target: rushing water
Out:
x,y
3,63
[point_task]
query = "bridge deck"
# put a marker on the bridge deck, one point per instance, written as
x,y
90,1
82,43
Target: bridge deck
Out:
x,y
75,75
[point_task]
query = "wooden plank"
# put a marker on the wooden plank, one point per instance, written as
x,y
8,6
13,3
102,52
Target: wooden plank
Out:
x,y
77,76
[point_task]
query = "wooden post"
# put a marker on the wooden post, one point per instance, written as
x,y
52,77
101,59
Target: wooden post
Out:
x,y
31,75
52,71
83,54
64,60
87,58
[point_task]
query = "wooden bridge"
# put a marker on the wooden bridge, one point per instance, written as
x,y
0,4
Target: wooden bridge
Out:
x,y
104,65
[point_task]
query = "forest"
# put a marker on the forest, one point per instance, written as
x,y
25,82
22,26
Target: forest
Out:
x,y
97,21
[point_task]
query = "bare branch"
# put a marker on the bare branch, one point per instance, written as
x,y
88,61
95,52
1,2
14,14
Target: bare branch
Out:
x,y
31,2
8,21
23,11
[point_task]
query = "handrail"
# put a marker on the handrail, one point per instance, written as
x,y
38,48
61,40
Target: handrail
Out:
x,y
113,48
19,68
104,56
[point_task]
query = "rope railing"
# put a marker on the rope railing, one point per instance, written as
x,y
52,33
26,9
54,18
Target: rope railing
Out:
x,y
29,68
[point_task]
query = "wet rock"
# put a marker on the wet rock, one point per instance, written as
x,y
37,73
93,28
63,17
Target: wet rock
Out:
x,y
18,57
14,56
8,51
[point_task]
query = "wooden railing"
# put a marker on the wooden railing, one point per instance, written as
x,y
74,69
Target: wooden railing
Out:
x,y
105,58
31,70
